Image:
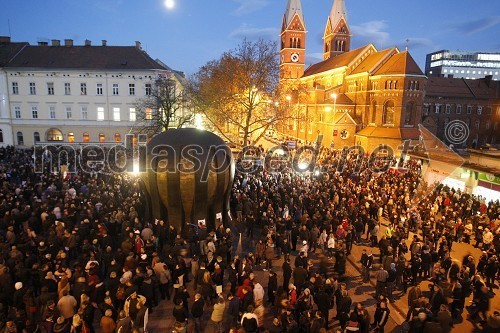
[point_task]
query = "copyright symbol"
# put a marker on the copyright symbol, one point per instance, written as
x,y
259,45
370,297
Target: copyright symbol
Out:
x,y
456,132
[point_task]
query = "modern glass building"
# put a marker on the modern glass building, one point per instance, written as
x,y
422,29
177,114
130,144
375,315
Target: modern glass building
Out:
x,y
458,64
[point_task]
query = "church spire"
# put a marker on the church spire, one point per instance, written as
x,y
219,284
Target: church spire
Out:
x,y
338,12
293,42
293,7
337,37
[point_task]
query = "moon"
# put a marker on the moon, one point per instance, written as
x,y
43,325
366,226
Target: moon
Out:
x,y
170,4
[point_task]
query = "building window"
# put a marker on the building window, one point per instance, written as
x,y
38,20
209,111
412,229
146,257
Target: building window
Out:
x,y
148,113
116,114
148,89
459,109
427,108
32,88
438,108
115,89
132,114
69,113
36,137
15,88
83,89
17,112
50,88
118,137
100,113
374,112
67,88
469,109
478,124
479,110
102,137
448,109
34,112
99,89
388,84
388,115
131,89
85,113
54,134
20,139
71,137
86,137
410,109
52,112
395,84
1,135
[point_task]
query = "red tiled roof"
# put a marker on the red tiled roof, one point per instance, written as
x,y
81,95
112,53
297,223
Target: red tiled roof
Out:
x,y
372,60
334,62
400,63
87,57
390,132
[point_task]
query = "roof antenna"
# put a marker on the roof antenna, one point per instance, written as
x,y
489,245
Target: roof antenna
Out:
x,y
8,22
407,42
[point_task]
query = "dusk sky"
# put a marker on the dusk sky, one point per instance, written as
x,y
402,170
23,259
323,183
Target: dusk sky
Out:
x,y
196,31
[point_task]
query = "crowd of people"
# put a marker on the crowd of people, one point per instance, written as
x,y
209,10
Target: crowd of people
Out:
x,y
77,252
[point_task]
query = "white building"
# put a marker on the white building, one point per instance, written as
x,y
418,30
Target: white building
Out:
x,y
67,93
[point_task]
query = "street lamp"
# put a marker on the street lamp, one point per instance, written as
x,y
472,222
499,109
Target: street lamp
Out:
x,y
334,97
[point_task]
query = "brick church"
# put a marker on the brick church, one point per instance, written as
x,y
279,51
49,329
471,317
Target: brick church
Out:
x,y
364,96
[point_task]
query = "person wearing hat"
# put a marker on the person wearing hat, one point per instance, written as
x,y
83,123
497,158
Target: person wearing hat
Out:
x,y
62,325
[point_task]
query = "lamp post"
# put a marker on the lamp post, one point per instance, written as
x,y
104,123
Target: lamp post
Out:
x,y
288,99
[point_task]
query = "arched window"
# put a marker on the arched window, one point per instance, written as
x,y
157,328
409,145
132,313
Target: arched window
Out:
x,y
298,43
20,139
291,42
410,110
54,134
374,112
388,115
102,137
1,136
71,137
118,137
36,137
86,137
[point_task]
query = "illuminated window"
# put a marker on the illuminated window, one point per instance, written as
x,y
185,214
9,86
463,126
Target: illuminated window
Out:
x,y
54,134
71,137
102,137
132,114
86,137
118,137
148,113
116,114
100,113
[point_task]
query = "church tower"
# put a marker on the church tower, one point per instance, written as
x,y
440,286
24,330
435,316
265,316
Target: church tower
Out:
x,y
337,37
293,42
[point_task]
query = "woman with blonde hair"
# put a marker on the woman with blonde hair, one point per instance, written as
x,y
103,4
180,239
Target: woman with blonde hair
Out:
x,y
62,286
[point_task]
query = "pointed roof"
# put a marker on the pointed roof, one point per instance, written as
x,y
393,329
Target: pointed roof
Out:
x,y
293,7
400,63
371,62
338,12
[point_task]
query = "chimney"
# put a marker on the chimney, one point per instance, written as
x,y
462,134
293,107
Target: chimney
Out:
x,y
138,44
88,42
56,42
5,39
104,42
43,43
68,42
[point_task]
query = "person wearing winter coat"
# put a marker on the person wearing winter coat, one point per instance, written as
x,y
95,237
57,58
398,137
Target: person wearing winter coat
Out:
x,y
258,292
66,305
218,314
108,325
124,324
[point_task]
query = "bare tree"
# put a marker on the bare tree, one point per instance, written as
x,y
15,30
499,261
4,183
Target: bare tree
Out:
x,y
239,93
166,106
